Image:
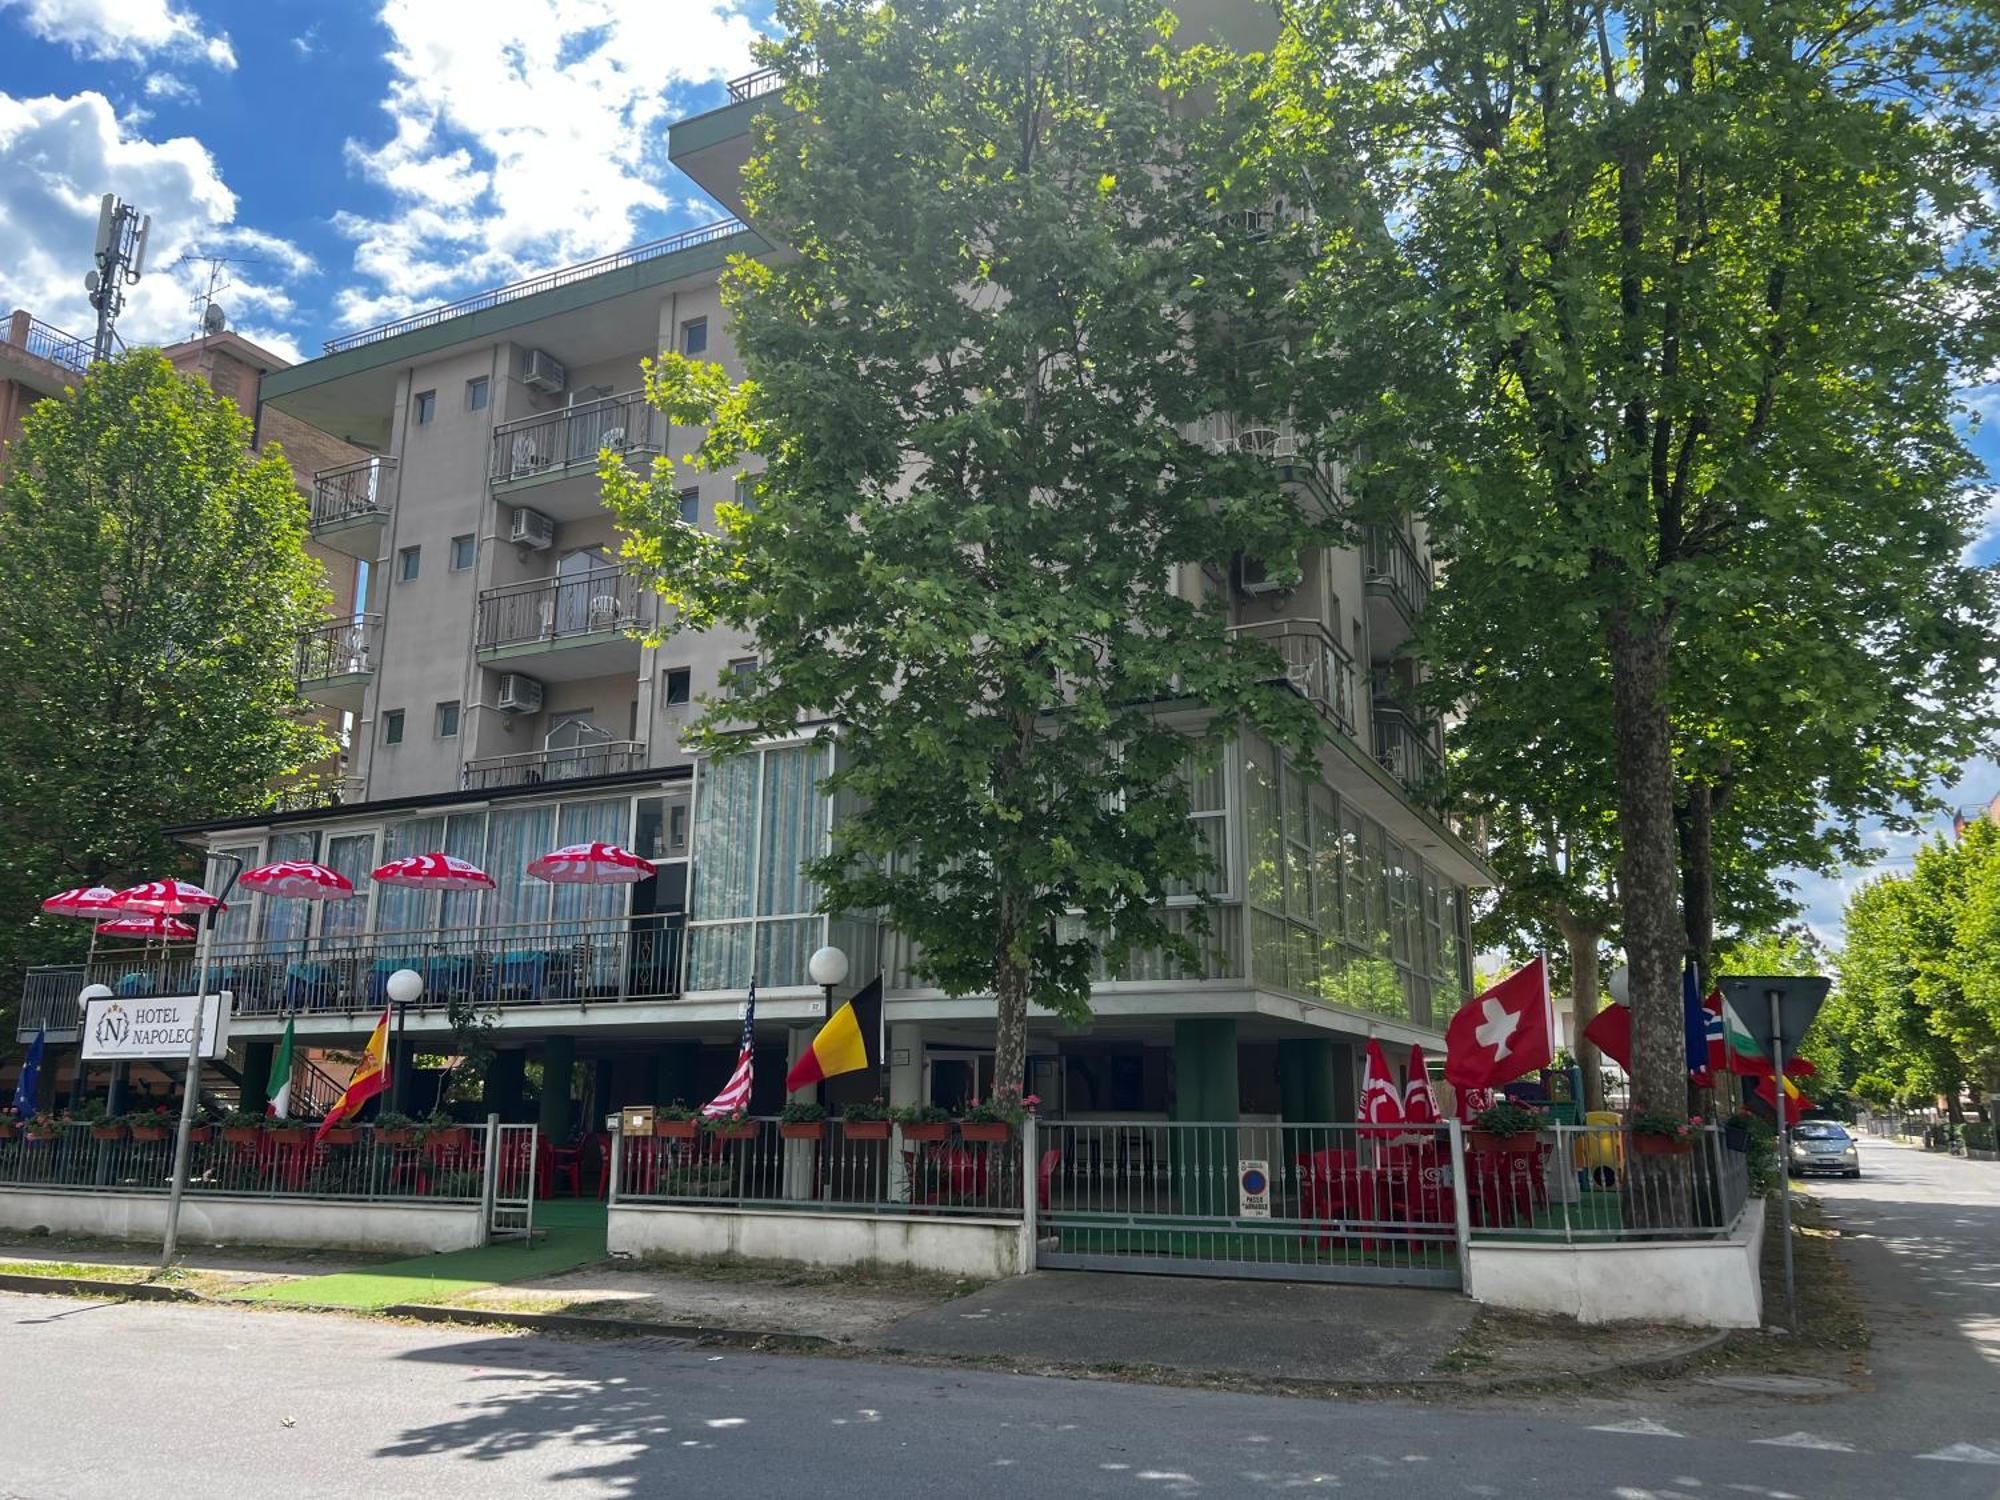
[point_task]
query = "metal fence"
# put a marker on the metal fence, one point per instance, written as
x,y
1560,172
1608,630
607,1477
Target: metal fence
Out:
x,y
48,342
602,601
1392,564
574,435
352,490
1315,664
361,1163
1602,1183
345,648
558,763
828,1168
750,85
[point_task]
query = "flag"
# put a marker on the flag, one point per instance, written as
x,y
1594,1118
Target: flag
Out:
x,y
850,1040
29,1083
1420,1105
1744,1049
735,1094
1718,1039
1503,1034
1610,1032
1694,1020
370,1079
1767,1091
1381,1099
278,1090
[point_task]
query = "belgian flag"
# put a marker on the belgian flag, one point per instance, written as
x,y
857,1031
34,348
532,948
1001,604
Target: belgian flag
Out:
x,y
850,1040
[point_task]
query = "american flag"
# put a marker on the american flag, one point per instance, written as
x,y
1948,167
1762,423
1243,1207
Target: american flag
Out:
x,y
735,1094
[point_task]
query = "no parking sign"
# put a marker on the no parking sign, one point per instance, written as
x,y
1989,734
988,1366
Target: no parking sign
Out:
x,y
1253,1190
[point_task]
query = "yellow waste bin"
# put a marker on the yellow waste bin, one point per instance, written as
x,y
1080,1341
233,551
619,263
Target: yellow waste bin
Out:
x,y
1600,1154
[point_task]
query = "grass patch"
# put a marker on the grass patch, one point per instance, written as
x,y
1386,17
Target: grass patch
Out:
x,y
71,1270
793,1275
1832,1337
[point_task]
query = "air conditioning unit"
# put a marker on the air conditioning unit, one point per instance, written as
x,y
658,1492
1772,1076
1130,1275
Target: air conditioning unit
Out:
x,y
1253,577
543,373
518,694
532,529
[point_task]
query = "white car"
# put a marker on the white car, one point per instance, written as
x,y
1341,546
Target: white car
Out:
x,y
1823,1146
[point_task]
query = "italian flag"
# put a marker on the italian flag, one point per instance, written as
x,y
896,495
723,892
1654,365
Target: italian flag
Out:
x,y
278,1091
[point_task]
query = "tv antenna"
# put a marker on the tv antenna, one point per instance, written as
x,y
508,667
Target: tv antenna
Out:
x,y
121,255
209,318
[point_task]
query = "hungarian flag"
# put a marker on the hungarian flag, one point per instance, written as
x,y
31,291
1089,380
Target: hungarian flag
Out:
x,y
850,1040
370,1079
278,1090
1503,1034
1381,1099
1420,1105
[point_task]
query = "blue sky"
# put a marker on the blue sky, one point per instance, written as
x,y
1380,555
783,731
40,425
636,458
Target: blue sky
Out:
x,y
359,161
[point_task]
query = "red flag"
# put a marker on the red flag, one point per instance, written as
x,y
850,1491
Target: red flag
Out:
x,y
1610,1031
1718,1039
1504,1034
1381,1099
370,1079
1420,1105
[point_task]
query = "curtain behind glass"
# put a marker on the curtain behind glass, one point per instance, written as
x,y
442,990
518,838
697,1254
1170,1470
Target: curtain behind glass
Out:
x,y
399,907
794,831
464,838
586,822
514,838
725,831
285,917
353,855
233,926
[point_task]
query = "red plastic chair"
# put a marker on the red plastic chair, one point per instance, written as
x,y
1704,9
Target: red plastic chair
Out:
x,y
559,1163
1045,1173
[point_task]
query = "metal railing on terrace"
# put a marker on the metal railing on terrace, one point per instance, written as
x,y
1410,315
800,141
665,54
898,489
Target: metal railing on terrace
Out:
x,y
344,648
1392,565
48,999
571,437
1578,1184
1404,746
552,609
750,85
352,491
513,292
1315,664
571,763
45,341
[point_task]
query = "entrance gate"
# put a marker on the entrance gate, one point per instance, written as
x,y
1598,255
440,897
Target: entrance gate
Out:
x,y
510,1181
1333,1202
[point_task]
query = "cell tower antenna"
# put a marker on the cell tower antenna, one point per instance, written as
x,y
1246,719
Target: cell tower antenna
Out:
x,y
120,254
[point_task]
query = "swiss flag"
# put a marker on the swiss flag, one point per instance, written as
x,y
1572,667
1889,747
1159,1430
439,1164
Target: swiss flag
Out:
x,y
1504,1034
1381,1099
1420,1105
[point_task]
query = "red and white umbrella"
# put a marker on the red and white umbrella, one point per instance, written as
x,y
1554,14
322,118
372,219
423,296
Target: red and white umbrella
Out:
x,y
300,879
591,864
153,929
166,898
83,901
434,872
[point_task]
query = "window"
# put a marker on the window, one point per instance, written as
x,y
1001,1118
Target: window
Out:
x,y
427,402
447,720
737,675
746,492
680,683
408,562
761,817
463,550
475,394
691,506
392,727
694,336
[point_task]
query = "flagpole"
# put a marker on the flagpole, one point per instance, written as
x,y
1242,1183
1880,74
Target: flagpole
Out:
x,y
183,1138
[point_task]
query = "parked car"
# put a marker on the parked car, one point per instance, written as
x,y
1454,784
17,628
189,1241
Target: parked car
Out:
x,y
1823,1146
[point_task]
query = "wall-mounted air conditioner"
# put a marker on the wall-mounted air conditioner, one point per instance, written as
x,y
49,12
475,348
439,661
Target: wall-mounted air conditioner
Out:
x,y
532,529
543,372
518,694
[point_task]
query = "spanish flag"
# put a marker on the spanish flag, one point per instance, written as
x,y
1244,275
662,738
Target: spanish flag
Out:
x,y
370,1079
850,1040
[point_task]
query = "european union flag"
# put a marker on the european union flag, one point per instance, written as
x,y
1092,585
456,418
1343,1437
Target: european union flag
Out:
x,y
31,1073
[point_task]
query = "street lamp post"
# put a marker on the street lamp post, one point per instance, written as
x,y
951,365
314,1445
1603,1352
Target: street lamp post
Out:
x,y
828,968
404,987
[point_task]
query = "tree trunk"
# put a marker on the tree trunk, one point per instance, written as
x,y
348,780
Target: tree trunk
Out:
x,y
1647,859
1010,996
1584,999
1695,824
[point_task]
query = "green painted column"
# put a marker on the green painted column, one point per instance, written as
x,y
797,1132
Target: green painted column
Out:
x,y
1205,1092
677,1073
257,1075
558,1062
501,1091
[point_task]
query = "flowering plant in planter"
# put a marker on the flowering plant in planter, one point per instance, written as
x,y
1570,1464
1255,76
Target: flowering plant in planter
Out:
x,y
1658,1132
103,1126
1508,1119
802,1120
995,1117
153,1124
393,1129
676,1121
444,1133
241,1126
10,1122
922,1122
866,1120
737,1125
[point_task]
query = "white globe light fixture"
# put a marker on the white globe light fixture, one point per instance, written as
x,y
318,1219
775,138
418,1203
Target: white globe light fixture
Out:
x,y
97,992
1621,985
89,993
405,986
828,967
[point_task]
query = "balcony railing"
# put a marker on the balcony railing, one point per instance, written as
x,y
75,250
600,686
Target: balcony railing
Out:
x,y
750,85
557,441
50,343
352,491
345,648
1315,665
554,609
1404,746
572,763
1394,567
521,963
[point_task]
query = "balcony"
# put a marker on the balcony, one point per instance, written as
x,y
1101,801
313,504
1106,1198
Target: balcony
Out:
x,y
1405,744
335,661
1315,665
49,999
1278,442
564,628
562,763
751,85
350,507
1398,588
549,462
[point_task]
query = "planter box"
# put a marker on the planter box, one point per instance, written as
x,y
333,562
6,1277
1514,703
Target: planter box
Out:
x,y
993,1131
1659,1145
341,1135
242,1135
1524,1144
865,1130
8,1132
451,1138
392,1137
677,1130
153,1133
802,1130
746,1132
201,1135
108,1132
940,1131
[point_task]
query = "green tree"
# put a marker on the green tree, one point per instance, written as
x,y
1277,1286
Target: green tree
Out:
x,y
153,581
1669,305
1022,277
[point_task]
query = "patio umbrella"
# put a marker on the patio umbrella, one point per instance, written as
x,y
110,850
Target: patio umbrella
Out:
x,y
433,872
152,929
82,901
1381,1099
166,898
300,879
591,864
1420,1106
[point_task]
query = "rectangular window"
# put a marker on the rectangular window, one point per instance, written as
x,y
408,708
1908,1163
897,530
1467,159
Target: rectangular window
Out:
x,y
680,681
761,818
746,492
392,727
691,506
736,676
426,404
447,720
409,562
694,336
475,394
464,549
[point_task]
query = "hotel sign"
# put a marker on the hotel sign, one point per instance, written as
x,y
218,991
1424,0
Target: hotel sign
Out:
x,y
155,1029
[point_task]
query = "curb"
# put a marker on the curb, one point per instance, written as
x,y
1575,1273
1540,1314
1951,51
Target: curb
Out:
x,y
576,1323
83,1286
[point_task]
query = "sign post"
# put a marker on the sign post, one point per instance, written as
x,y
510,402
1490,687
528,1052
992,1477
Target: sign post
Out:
x,y
183,1144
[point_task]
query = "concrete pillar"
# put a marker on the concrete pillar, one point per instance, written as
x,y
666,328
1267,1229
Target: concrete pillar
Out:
x,y
501,1090
906,1086
256,1072
677,1074
1205,1093
558,1062
1306,1080
801,1157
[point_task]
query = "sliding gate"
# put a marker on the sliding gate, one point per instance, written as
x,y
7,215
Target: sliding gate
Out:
x,y
1285,1202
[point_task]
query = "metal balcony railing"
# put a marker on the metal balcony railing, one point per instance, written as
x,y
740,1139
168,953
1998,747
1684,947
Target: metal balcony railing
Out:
x,y
572,437
49,1000
1395,568
47,342
352,490
1315,664
750,85
554,609
344,648
1404,746
570,763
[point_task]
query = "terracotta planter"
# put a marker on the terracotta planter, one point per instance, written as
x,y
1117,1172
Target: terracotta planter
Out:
x,y
865,1130
1659,1145
455,1138
289,1135
242,1135
744,1132
676,1130
993,1131
941,1131
153,1133
9,1131
201,1135
341,1135
802,1130
395,1137
1524,1144
41,1137
108,1132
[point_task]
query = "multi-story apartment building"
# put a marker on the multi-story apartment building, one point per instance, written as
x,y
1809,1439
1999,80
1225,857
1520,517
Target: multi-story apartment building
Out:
x,y
504,704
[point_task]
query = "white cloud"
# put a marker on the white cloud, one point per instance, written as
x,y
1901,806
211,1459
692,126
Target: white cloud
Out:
x,y
122,30
306,43
57,156
534,138
284,345
169,86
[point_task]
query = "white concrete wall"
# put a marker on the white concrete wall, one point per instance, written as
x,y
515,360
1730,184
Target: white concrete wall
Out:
x,y
215,1218
1705,1283
984,1249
